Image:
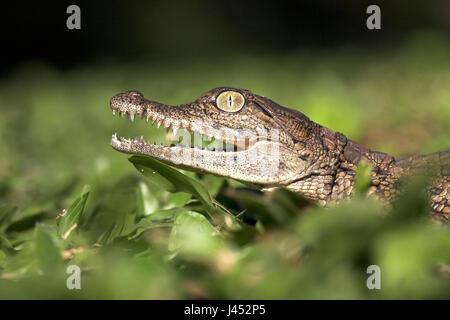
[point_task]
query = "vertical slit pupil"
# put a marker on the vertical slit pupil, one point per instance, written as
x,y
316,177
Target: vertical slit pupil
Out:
x,y
230,101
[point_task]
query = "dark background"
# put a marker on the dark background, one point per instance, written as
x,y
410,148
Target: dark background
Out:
x,y
126,30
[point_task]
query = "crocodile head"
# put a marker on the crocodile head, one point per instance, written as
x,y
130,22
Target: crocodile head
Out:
x,y
263,143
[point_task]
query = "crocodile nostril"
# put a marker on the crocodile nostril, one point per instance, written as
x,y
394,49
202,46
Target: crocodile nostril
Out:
x,y
133,93
128,97
115,101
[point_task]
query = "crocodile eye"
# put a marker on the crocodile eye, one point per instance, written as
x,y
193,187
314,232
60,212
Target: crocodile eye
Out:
x,y
230,101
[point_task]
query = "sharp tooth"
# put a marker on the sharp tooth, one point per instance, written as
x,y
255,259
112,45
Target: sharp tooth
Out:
x,y
132,116
148,117
153,121
159,123
185,123
175,129
114,112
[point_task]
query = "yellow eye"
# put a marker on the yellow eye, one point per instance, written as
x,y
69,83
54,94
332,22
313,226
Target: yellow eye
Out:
x,y
230,101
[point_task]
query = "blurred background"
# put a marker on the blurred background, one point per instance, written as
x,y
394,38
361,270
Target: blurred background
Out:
x,y
388,89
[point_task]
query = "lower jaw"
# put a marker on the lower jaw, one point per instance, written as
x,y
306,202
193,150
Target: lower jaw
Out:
x,y
196,157
259,164
139,145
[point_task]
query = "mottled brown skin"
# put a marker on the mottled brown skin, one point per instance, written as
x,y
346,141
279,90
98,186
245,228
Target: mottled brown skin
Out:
x,y
313,160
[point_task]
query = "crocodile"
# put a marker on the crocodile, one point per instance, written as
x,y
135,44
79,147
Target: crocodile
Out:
x,y
269,146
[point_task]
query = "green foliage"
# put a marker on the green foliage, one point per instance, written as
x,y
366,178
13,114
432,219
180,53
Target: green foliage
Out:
x,y
162,233
362,177
174,181
306,253
71,217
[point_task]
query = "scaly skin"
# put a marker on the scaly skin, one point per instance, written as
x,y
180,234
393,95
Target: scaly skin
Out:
x,y
276,147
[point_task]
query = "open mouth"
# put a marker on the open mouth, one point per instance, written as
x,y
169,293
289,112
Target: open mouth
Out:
x,y
179,134
196,144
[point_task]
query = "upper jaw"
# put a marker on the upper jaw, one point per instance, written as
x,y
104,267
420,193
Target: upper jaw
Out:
x,y
133,104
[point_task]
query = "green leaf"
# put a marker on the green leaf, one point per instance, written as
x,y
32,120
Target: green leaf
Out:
x,y
193,233
146,202
2,259
171,179
414,202
159,218
70,219
213,183
177,200
362,177
5,243
174,181
123,225
6,212
26,219
158,173
48,255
